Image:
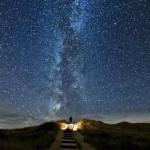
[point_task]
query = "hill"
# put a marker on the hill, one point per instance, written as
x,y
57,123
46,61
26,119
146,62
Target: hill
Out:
x,y
31,138
102,136
121,136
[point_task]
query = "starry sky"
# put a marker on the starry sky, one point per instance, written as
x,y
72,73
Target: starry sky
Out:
x,y
85,58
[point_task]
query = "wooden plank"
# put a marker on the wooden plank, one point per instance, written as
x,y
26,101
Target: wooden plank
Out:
x,y
68,137
68,134
69,144
69,149
68,140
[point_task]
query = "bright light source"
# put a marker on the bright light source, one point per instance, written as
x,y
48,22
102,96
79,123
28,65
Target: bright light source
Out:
x,y
64,126
71,126
77,126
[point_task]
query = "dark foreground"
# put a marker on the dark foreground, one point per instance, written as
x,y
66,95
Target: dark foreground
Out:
x,y
31,138
122,136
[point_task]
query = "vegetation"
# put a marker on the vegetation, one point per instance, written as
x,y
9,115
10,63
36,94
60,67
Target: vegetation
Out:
x,y
31,138
121,136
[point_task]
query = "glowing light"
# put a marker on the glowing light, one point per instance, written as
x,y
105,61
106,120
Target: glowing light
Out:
x,y
63,126
71,126
77,126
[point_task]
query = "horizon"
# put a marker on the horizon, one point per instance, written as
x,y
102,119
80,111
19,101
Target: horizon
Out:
x,y
22,121
74,57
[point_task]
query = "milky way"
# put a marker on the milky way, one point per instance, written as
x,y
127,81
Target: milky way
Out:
x,y
85,58
71,20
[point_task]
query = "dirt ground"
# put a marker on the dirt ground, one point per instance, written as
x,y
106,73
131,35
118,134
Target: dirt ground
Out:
x,y
84,146
57,142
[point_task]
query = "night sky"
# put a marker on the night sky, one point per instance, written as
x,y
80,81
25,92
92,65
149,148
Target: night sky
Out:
x,y
85,58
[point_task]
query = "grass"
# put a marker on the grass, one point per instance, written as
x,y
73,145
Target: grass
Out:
x,y
121,136
31,138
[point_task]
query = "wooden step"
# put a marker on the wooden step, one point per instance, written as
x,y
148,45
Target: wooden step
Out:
x,y
68,134
68,137
71,138
68,140
68,145
69,149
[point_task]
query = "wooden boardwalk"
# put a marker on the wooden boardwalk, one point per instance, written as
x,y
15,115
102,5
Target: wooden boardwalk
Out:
x,y
68,142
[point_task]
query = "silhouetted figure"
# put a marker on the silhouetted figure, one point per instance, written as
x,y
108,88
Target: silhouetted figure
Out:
x,y
70,119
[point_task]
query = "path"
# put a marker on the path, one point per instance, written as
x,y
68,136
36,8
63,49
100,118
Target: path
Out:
x,y
70,140
80,139
57,142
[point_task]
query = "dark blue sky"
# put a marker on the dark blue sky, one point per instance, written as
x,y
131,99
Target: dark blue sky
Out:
x,y
75,57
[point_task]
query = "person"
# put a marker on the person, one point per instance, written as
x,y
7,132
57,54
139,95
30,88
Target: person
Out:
x,y
70,119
